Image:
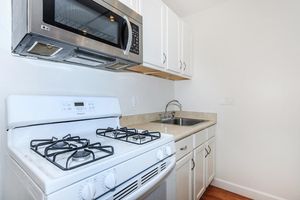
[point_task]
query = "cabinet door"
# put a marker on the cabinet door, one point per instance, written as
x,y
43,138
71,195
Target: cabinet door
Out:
x,y
133,4
186,49
136,6
210,160
199,172
154,33
173,24
184,178
126,2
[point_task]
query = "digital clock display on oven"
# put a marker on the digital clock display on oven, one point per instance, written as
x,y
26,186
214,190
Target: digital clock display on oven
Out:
x,y
78,104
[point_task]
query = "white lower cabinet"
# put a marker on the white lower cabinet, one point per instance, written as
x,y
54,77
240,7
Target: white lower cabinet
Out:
x,y
195,167
210,160
184,178
199,172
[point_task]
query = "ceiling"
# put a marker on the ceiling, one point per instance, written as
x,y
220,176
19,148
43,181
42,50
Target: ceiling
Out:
x,y
188,7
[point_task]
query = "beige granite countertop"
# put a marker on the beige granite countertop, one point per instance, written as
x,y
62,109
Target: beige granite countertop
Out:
x,y
145,122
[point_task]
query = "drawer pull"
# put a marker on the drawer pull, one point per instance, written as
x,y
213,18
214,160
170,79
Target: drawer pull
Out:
x,y
183,148
193,164
209,149
207,153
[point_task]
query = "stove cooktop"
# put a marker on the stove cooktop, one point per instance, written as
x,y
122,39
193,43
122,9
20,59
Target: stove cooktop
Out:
x,y
71,152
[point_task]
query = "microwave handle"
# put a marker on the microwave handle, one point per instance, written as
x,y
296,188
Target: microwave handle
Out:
x,y
129,41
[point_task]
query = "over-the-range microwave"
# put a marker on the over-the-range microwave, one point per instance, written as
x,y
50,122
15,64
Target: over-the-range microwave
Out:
x,y
103,34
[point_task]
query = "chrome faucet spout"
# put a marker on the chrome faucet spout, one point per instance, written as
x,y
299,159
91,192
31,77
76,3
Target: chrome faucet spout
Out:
x,y
175,103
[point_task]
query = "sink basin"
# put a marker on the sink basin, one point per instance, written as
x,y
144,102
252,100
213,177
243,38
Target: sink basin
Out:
x,y
181,121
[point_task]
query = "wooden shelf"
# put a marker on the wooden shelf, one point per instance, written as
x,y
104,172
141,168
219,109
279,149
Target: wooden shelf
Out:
x,y
157,73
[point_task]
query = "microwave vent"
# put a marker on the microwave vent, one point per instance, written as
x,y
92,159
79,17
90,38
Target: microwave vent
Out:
x,y
84,61
89,58
43,49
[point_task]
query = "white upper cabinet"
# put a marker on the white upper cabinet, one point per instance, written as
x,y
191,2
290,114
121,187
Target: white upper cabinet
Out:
x,y
154,33
167,42
173,41
133,4
186,49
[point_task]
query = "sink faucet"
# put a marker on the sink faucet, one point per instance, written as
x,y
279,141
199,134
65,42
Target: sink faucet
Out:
x,y
166,115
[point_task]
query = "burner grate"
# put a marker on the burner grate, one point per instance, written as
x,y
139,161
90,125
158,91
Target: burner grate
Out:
x,y
129,135
70,152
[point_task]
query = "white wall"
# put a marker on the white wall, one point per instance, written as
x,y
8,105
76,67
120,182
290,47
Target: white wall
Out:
x,y
23,76
247,55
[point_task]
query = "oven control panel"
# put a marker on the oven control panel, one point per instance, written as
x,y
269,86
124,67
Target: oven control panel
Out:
x,y
78,107
45,109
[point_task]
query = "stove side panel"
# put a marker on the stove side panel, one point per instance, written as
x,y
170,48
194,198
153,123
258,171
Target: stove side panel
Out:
x,y
17,178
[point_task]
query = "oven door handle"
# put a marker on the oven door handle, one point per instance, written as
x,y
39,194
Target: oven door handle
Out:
x,y
129,41
152,183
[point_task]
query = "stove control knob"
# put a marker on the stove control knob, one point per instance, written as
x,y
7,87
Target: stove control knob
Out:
x,y
160,155
88,192
110,181
168,151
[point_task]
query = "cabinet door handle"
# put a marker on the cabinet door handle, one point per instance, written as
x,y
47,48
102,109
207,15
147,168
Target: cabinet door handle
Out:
x,y
206,153
183,148
165,58
209,149
193,164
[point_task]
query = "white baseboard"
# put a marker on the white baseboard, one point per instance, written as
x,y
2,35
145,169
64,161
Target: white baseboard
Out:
x,y
244,191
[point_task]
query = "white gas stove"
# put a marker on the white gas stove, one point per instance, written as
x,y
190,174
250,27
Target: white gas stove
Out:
x,y
72,148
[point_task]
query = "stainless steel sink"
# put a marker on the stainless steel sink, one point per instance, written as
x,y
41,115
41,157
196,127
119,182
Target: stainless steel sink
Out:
x,y
181,121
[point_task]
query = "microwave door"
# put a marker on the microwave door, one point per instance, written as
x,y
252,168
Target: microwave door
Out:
x,y
91,20
126,36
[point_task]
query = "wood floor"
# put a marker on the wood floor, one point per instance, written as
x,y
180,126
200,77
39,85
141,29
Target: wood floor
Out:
x,y
214,193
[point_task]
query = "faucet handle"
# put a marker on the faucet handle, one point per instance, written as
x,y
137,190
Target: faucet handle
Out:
x,y
173,114
167,116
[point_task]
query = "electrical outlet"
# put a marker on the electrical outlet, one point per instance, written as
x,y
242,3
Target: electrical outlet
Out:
x,y
227,101
133,101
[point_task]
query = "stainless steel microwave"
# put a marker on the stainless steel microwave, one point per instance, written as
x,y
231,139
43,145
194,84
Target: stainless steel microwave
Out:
x,y
103,34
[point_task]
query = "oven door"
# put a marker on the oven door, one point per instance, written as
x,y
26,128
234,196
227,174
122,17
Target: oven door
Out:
x,y
164,190
160,188
90,24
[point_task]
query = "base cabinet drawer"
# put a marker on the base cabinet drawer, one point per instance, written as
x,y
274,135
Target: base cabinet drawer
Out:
x,y
211,132
200,137
183,147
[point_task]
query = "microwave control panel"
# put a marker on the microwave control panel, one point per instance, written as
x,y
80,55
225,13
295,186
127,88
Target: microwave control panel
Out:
x,y
135,47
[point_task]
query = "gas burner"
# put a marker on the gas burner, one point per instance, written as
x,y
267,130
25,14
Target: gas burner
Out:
x,y
139,137
70,152
81,155
129,135
60,145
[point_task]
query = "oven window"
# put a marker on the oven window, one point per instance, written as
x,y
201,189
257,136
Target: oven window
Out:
x,y
87,18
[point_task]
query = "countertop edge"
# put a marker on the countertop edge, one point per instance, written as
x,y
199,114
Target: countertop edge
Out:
x,y
193,131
